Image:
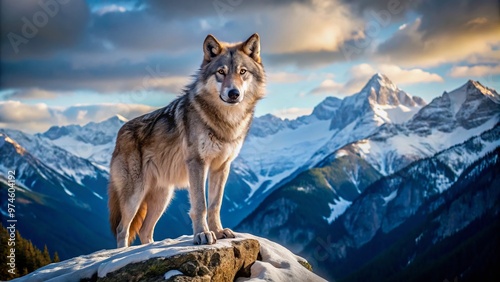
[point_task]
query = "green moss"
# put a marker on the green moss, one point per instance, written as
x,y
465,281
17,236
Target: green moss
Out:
x,y
305,264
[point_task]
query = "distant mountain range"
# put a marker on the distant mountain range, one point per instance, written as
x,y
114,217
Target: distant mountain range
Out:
x,y
334,186
342,211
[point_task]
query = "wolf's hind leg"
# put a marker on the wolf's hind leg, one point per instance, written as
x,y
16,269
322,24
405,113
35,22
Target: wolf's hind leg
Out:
x,y
157,201
128,211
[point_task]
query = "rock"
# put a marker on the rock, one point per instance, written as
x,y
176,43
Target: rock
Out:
x,y
244,258
222,264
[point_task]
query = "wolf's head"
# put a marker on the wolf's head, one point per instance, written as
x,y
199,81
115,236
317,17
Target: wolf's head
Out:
x,y
233,72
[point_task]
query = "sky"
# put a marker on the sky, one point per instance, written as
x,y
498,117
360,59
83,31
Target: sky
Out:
x,y
74,61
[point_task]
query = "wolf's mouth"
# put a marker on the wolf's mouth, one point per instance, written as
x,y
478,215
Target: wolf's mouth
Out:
x,y
230,102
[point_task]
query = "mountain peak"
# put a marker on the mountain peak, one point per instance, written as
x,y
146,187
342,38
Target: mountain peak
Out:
x,y
4,138
121,118
380,80
474,85
468,106
326,108
380,90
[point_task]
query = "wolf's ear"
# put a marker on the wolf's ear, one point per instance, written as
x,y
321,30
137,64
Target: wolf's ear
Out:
x,y
251,47
211,47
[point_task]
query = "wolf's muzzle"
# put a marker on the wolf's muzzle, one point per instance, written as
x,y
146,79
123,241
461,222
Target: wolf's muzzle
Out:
x,y
233,96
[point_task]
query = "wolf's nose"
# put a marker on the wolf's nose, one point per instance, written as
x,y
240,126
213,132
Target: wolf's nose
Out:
x,y
233,94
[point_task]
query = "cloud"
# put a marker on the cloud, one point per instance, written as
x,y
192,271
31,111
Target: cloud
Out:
x,y
309,59
124,76
408,76
35,28
360,74
32,93
40,117
319,25
486,57
444,32
118,45
285,77
292,113
328,86
106,48
113,8
13,112
82,114
477,71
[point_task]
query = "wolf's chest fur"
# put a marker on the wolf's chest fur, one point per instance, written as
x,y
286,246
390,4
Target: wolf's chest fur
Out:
x,y
215,151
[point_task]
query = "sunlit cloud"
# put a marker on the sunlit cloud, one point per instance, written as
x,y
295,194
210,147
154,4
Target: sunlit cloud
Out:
x,y
31,93
327,86
40,117
360,74
285,77
474,71
413,46
292,113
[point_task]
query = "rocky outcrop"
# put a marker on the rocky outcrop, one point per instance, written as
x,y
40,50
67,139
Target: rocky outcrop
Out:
x,y
244,258
222,264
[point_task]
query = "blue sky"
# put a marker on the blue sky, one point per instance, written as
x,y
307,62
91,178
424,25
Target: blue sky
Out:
x,y
71,61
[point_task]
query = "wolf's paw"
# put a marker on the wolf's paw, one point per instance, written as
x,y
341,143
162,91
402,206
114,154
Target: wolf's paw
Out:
x,y
224,233
205,238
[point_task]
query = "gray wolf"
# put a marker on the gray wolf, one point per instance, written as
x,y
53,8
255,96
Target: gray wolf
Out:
x,y
195,137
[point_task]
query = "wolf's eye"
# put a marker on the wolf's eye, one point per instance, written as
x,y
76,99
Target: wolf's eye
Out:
x,y
243,71
221,71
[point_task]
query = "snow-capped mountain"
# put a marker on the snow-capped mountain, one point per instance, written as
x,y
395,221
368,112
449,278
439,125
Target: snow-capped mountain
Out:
x,y
390,146
46,153
93,141
431,156
277,150
448,120
63,208
322,211
469,106
379,103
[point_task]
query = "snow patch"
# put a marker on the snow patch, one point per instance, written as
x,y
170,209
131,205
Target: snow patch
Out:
x,y
395,114
172,273
390,197
276,156
389,155
97,195
67,191
337,209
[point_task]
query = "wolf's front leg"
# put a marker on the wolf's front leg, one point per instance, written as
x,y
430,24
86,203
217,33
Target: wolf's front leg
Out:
x,y
217,182
198,213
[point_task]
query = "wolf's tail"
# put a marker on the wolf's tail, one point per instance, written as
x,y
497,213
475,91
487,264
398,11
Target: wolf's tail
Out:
x,y
136,224
115,215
